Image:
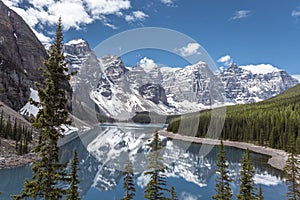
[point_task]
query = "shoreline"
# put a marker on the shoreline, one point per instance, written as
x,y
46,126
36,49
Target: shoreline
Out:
x,y
13,161
277,160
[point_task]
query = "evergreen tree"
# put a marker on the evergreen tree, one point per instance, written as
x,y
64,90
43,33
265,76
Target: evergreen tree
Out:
x,y
173,194
298,143
48,172
1,124
72,193
292,174
8,129
14,131
222,185
260,194
247,181
128,182
157,185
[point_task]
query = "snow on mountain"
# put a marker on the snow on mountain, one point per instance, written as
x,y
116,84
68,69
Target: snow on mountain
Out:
x,y
120,91
261,68
296,77
29,109
246,86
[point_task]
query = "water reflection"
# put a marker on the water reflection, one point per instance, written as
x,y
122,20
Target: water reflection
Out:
x,y
104,151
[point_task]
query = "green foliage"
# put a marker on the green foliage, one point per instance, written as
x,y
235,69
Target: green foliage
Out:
x,y
128,182
142,117
247,182
222,186
21,135
72,192
292,173
270,123
260,195
156,187
173,193
48,172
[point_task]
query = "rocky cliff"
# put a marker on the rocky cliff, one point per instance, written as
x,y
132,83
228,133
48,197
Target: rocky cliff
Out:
x,y
21,55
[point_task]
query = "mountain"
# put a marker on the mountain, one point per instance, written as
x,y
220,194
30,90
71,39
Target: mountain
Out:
x,y
273,122
120,91
249,84
21,55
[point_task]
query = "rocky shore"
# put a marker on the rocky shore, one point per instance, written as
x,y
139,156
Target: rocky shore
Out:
x,y
16,160
277,160
9,157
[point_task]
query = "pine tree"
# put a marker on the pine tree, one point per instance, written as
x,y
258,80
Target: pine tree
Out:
x,y
8,129
128,182
173,193
157,185
260,194
247,181
292,173
222,185
72,192
298,144
1,124
48,172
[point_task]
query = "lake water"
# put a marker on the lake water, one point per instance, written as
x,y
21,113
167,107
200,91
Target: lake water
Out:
x,y
103,153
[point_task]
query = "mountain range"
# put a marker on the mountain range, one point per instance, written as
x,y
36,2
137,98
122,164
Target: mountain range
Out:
x,y
107,87
120,91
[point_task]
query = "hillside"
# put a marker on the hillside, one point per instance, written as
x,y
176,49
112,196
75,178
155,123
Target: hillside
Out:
x,y
273,123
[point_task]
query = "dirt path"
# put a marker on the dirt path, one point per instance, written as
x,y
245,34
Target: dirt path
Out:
x,y
277,160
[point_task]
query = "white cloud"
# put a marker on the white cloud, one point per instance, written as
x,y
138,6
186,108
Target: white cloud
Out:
x,y
240,14
136,16
189,50
168,2
75,13
11,3
106,7
226,60
110,25
261,68
147,64
44,39
296,13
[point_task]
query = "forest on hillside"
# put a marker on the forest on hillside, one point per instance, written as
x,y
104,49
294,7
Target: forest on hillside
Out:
x,y
274,122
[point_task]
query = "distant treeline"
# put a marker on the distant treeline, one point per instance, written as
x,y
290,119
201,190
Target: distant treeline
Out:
x,y
13,129
272,123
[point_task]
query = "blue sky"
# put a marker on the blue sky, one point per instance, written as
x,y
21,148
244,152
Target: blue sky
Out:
x,y
247,31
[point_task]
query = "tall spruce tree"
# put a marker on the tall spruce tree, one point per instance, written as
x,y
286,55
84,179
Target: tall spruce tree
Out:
x,y
292,173
48,172
156,187
260,195
173,193
128,182
247,179
1,124
222,186
72,192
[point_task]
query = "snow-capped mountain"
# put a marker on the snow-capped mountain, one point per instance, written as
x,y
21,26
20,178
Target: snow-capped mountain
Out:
x,y
120,91
253,83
